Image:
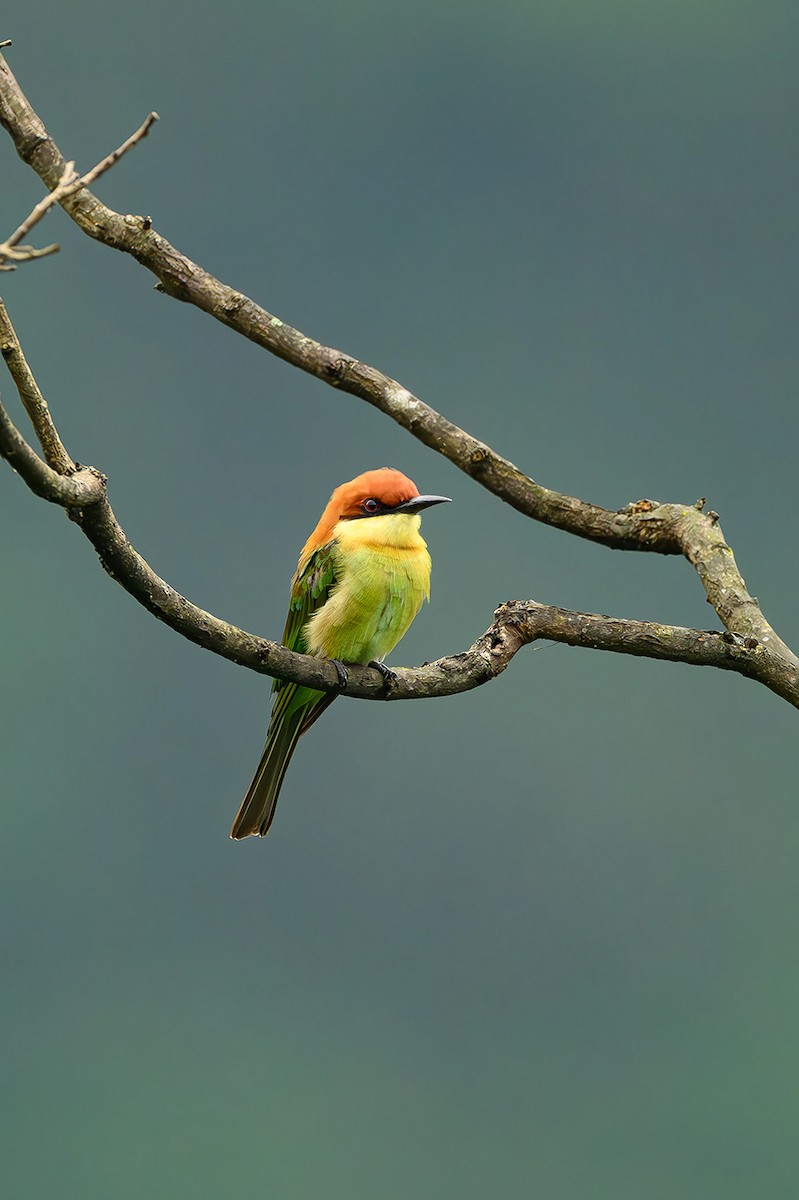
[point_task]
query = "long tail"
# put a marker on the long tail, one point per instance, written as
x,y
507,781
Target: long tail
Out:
x,y
293,714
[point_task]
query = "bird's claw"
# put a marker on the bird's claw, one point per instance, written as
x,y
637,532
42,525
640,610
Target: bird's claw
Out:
x,y
390,678
342,673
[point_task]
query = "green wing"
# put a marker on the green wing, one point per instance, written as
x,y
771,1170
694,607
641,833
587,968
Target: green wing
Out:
x,y
295,708
310,589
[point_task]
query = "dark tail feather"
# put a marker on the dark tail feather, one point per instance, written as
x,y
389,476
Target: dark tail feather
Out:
x,y
258,806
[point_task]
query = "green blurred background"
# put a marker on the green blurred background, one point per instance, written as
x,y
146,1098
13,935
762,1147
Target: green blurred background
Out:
x,y
539,940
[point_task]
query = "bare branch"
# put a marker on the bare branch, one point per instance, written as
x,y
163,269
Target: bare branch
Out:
x,y
11,249
34,402
185,280
84,486
515,624
69,183
111,159
644,526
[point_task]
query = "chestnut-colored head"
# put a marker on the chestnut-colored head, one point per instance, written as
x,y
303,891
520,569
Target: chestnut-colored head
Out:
x,y
372,494
374,491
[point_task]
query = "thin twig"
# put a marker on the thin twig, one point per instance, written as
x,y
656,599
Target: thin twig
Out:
x,y
68,185
111,159
11,249
33,401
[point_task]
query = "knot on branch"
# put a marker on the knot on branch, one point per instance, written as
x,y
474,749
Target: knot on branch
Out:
x,y
738,640
479,459
512,627
28,145
336,368
640,506
233,304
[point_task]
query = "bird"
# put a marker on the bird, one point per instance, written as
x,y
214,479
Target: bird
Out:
x,y
362,578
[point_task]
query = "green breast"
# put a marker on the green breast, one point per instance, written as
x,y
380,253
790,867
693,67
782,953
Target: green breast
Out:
x,y
378,594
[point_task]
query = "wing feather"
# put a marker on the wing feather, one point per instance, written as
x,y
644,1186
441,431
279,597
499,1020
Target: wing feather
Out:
x,y
310,589
295,708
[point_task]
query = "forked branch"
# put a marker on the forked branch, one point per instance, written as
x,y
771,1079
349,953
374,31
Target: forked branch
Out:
x,y
750,647
69,183
518,623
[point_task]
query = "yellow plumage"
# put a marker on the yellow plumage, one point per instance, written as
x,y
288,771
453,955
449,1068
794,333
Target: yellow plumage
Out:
x,y
383,578
362,577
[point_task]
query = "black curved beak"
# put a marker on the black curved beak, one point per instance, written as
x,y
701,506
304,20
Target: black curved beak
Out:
x,y
417,503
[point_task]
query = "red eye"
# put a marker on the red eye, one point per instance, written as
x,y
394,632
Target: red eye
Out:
x,y
370,506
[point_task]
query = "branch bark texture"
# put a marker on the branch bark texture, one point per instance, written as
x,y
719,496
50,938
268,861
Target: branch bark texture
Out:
x,y
654,528
516,624
750,646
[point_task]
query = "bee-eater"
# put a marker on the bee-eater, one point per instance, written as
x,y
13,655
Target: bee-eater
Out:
x,y
362,577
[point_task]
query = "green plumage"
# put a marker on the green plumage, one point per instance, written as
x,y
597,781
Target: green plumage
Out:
x,y
295,708
351,600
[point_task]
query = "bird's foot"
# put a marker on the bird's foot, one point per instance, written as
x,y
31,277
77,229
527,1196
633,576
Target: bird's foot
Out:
x,y
390,678
342,672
